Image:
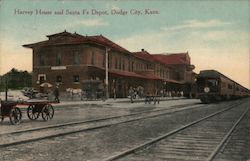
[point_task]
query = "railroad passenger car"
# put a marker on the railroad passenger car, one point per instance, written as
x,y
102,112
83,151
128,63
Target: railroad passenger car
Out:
x,y
214,86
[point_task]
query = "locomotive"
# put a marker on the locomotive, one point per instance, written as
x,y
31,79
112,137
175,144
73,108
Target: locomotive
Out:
x,y
214,86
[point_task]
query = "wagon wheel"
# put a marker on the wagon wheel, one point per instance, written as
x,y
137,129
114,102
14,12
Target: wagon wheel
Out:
x,y
15,116
32,113
47,112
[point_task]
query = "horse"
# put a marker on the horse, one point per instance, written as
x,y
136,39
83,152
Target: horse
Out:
x,y
78,92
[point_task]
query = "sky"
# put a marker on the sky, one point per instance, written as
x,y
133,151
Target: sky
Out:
x,y
214,32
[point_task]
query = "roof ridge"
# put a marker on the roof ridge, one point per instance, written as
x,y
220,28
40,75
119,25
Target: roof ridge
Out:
x,y
110,41
179,53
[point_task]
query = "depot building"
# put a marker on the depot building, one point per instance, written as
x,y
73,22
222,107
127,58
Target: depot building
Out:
x,y
68,59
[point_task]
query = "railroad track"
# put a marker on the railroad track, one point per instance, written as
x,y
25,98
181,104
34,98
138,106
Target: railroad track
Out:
x,y
200,140
238,143
36,134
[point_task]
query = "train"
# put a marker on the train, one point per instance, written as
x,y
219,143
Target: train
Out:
x,y
213,86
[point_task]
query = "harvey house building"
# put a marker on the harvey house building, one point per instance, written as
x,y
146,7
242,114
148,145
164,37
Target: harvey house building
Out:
x,y
69,58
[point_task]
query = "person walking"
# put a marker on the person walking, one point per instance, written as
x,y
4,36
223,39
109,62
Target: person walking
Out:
x,y
131,94
56,93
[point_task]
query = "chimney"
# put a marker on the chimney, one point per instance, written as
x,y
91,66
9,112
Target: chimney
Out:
x,y
142,50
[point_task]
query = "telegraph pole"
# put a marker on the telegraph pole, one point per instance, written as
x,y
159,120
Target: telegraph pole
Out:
x,y
6,87
106,72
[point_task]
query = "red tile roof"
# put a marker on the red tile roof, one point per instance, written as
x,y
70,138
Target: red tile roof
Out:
x,y
132,74
147,76
177,58
145,55
56,39
65,33
106,42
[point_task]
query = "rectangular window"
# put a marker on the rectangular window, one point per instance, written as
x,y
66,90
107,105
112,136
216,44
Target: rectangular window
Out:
x,y
41,60
109,61
58,59
229,86
92,58
58,79
76,79
76,58
41,78
103,60
123,65
116,63
120,63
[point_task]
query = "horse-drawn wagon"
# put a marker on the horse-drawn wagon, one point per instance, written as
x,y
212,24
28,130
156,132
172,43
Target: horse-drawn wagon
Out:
x,y
35,109
9,109
43,107
152,98
93,89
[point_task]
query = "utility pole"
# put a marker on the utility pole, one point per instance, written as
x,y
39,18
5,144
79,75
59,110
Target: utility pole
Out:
x,y
106,72
6,87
